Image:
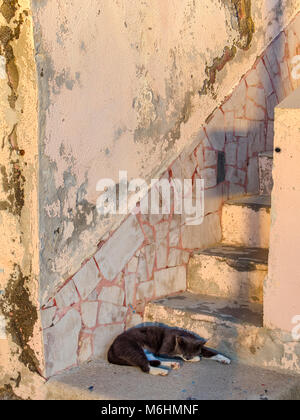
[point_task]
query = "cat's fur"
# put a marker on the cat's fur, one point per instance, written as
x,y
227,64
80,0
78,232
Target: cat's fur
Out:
x,y
129,348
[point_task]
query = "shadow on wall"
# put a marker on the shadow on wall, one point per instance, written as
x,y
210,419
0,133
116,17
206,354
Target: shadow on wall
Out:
x,y
243,127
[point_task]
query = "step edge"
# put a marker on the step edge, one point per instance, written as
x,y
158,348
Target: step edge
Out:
x,y
207,252
207,318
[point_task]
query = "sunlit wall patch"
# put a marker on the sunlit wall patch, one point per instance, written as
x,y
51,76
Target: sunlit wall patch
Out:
x,y
2,328
2,67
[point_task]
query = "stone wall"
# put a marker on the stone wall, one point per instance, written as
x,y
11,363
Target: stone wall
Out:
x,y
146,257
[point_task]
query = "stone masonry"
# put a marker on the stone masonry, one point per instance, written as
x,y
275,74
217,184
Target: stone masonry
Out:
x,y
146,258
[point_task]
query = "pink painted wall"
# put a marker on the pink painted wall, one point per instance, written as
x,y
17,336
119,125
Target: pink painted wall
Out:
x,y
125,85
124,280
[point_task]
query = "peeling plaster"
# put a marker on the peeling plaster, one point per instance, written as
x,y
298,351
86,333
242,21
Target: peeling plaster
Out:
x,y
21,345
21,317
171,80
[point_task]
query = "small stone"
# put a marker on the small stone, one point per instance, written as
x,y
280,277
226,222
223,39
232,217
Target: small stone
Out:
x,y
216,130
174,234
103,338
110,313
237,98
253,176
112,294
169,281
229,126
89,313
242,153
149,233
67,296
210,158
210,177
264,77
85,350
145,291
150,253
241,127
142,274
231,153
258,96
270,136
177,257
162,231
130,288
213,199
161,254
278,85
271,61
200,156
235,176
253,112
252,78
120,248
93,296
132,265
87,278
47,316
204,235
61,343
188,164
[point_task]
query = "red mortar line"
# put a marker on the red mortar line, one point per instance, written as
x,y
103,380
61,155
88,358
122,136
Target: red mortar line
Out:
x,y
264,108
264,59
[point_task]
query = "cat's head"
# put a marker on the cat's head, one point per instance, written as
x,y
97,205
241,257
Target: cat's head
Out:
x,y
188,348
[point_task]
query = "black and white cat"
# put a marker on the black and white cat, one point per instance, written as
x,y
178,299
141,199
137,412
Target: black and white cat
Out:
x,y
132,348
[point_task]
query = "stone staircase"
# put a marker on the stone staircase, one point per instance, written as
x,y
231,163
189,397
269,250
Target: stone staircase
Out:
x,y
224,298
223,303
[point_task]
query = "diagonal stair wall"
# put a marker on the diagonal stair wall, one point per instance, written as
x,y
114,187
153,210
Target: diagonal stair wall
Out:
x,y
118,281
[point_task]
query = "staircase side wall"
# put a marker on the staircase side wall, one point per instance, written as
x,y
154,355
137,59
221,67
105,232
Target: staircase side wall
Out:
x,y
146,258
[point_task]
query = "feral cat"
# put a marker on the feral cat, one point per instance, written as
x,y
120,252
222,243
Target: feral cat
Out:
x,y
131,349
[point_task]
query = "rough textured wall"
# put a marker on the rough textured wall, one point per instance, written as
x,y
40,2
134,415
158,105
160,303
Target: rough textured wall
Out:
x,y
125,86
21,352
146,258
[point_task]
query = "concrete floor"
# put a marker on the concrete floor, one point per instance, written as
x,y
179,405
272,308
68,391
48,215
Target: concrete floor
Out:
x,y
207,380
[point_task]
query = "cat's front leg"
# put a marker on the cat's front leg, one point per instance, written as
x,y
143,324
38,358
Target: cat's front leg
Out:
x,y
221,359
212,354
192,360
173,364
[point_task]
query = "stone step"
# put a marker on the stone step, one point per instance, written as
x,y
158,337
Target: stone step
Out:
x,y
265,173
246,221
207,380
236,273
233,329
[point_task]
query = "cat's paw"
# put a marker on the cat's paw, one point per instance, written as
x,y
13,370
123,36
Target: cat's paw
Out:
x,y
193,360
158,371
175,365
171,364
221,359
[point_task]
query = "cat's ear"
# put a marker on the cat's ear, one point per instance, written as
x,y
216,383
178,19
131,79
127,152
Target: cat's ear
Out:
x,y
180,340
200,345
